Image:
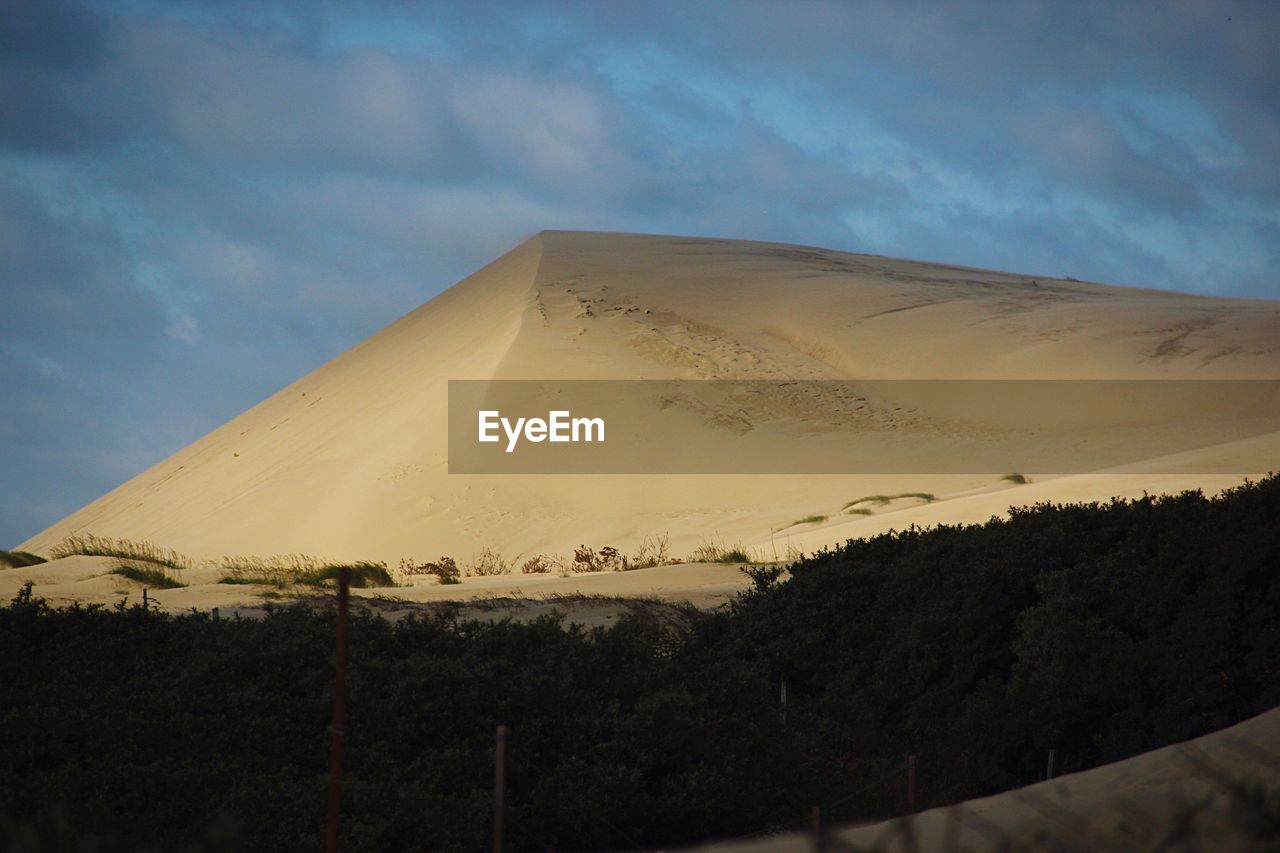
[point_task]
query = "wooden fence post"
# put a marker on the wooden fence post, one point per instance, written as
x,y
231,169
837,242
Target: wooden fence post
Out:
x,y
499,786
339,688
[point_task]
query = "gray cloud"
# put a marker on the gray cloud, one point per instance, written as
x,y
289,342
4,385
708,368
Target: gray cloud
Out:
x,y
200,201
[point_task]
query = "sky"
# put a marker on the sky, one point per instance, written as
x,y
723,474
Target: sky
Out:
x,y
201,202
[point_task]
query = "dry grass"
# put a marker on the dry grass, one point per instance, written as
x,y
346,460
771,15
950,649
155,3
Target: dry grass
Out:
x,y
711,551
488,563
653,551
286,570
126,549
281,570
151,576
538,565
607,559
446,569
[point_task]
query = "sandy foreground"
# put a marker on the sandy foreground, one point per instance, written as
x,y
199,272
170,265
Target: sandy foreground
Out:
x,y
350,462
589,599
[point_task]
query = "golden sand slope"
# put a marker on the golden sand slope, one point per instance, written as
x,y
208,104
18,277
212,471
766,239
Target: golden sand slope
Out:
x,y
349,462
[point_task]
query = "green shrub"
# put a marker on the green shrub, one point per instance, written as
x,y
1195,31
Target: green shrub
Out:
x,y
1016,478
1096,630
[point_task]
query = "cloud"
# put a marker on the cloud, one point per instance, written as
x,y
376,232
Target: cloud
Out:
x,y
1082,147
200,201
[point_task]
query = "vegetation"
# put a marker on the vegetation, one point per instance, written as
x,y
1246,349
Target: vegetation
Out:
x,y
858,510
607,559
19,559
487,563
362,574
126,549
808,519
301,570
446,569
711,551
148,575
883,500
1098,631
1016,478
537,565
653,551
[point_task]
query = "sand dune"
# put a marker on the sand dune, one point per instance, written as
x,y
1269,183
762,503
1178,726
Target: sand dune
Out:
x,y
1175,798
350,462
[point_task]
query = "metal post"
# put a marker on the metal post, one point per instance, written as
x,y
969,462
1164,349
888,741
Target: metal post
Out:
x,y
339,687
782,698
1049,773
499,786
144,598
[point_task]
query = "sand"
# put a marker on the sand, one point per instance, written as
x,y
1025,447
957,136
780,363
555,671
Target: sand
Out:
x,y
1175,798
350,461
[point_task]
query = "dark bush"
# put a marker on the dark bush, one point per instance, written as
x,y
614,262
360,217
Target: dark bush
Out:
x,y
1099,631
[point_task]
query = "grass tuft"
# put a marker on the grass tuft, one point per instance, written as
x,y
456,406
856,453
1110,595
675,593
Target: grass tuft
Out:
x,y
148,575
711,551
363,574
1016,478
299,569
808,519
19,559
90,545
882,500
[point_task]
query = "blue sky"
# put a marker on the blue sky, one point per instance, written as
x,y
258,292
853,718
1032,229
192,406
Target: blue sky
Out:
x,y
200,202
